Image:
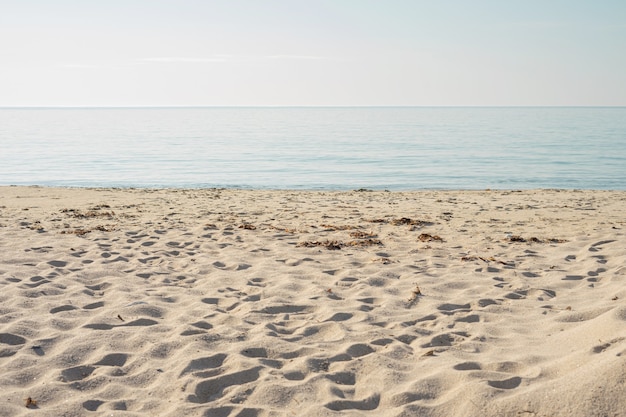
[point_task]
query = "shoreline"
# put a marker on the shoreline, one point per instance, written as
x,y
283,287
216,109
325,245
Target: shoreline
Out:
x,y
308,190
134,302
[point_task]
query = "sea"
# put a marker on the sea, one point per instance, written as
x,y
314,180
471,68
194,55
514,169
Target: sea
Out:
x,y
316,148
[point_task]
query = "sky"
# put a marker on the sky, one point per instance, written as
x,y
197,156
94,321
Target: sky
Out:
x,y
312,53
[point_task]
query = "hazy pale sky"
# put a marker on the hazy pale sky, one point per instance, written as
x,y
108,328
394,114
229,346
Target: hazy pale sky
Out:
x,y
312,52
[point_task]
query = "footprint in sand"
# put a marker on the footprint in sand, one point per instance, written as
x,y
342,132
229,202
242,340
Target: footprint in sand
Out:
x,y
36,282
200,327
212,389
256,282
93,306
450,309
76,373
92,405
498,374
368,404
135,323
14,343
595,247
447,339
59,309
203,364
113,359
509,383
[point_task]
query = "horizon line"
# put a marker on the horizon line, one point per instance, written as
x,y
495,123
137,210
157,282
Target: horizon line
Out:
x,y
34,107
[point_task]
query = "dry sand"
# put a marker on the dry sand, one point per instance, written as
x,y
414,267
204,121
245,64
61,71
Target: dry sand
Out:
x,y
278,303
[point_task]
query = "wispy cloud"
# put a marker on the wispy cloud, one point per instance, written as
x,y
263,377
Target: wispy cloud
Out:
x,y
185,60
297,57
214,59
228,59
79,66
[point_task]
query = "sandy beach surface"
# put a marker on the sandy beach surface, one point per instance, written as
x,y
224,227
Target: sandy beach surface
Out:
x,y
249,303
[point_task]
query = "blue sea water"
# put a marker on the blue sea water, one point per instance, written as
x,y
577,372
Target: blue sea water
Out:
x,y
340,148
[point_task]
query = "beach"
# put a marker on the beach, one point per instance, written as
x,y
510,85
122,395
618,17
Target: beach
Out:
x,y
225,302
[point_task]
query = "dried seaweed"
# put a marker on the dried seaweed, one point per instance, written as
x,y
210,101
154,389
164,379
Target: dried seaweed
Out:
x,y
415,293
409,222
82,232
285,229
30,403
77,232
332,227
426,237
338,244
104,228
328,244
384,261
520,239
377,221
484,259
362,235
364,242
90,214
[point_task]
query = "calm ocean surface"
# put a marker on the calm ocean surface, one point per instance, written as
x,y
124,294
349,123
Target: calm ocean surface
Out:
x,y
394,148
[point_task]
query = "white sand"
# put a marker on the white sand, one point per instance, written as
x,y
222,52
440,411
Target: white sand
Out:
x,y
221,303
